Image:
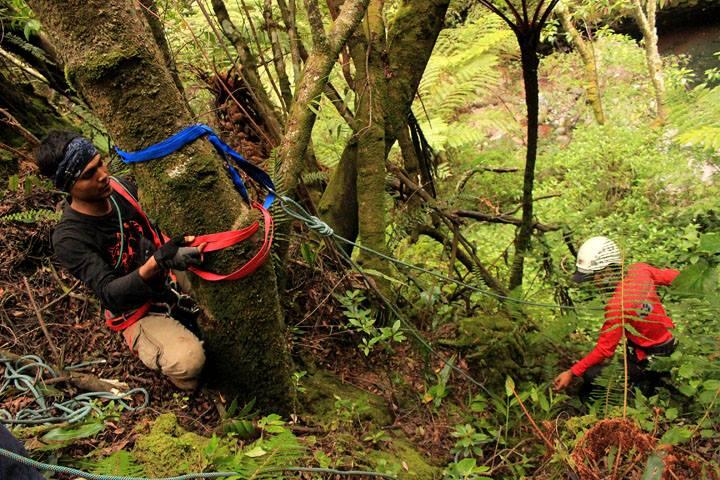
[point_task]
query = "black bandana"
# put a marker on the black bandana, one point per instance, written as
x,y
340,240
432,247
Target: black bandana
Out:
x,y
78,153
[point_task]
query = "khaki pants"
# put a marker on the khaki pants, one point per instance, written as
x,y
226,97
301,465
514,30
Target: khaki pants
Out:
x,y
162,343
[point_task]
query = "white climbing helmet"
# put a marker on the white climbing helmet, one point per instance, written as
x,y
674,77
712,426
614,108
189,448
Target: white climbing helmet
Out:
x,y
594,255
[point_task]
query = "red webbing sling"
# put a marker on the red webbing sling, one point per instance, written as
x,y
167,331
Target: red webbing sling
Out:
x,y
215,242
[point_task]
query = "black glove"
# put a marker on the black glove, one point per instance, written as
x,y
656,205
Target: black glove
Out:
x,y
174,255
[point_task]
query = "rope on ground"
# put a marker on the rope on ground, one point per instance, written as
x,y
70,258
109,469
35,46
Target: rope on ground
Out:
x,y
189,476
296,211
24,376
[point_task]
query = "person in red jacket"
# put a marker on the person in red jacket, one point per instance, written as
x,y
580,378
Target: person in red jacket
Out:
x,y
634,309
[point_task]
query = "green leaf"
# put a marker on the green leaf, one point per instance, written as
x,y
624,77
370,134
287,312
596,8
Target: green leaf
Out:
x,y
710,243
654,468
509,386
255,452
676,435
376,273
65,434
686,370
699,279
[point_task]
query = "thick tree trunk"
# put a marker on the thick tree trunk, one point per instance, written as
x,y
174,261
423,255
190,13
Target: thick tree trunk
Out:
x,y
371,93
411,38
339,206
530,62
646,22
592,83
109,56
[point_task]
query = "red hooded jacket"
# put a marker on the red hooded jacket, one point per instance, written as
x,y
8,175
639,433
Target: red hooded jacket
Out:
x,y
634,302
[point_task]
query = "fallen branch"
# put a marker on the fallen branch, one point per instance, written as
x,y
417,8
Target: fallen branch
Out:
x,y
40,318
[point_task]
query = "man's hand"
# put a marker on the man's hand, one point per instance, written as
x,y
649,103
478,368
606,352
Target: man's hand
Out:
x,y
174,255
563,380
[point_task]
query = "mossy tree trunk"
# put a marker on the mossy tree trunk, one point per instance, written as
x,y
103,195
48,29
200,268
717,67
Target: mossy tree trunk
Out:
x,y
645,18
371,95
111,59
338,206
587,53
410,40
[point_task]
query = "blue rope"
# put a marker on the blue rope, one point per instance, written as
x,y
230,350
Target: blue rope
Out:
x,y
71,411
189,135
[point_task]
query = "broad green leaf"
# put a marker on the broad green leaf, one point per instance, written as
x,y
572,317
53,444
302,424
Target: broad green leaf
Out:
x,y
66,433
710,243
654,468
699,279
676,435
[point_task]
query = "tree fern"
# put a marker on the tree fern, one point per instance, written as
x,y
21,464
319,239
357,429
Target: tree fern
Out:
x,y
697,117
464,64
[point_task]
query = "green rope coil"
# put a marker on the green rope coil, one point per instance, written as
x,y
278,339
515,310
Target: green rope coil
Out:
x,y
71,411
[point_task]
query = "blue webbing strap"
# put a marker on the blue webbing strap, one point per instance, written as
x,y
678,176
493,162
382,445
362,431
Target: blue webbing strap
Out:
x,y
189,135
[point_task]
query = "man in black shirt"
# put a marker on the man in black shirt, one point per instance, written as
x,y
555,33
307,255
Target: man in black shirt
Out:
x,y
106,241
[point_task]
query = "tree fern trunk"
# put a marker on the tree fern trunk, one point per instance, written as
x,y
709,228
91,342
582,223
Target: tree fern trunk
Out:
x,y
530,63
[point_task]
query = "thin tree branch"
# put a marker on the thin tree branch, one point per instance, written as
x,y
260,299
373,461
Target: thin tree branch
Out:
x,y
288,15
544,18
40,318
278,56
256,37
499,13
502,218
317,28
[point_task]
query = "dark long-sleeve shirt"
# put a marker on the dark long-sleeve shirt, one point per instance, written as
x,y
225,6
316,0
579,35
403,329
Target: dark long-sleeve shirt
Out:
x,y
105,253
636,306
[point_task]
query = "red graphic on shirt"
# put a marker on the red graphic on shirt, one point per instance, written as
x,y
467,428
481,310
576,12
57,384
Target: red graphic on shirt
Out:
x,y
130,243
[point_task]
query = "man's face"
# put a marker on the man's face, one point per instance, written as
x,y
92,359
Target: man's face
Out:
x,y
93,184
606,279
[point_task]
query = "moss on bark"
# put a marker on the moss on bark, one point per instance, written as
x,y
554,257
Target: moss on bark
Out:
x,y
338,205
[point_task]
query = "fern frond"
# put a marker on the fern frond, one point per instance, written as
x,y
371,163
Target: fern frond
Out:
x,y
31,216
696,116
28,47
120,463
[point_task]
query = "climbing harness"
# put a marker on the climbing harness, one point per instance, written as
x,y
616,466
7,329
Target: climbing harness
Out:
x,y
213,241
